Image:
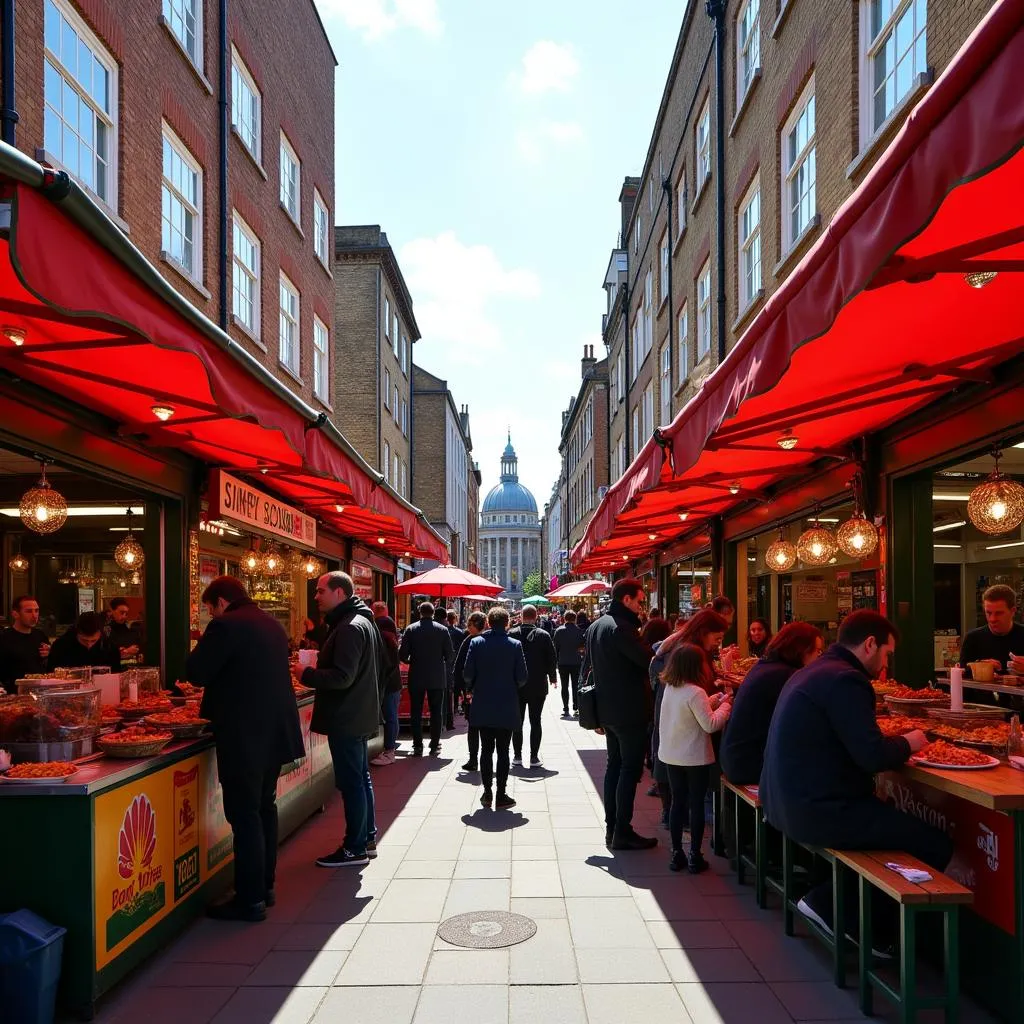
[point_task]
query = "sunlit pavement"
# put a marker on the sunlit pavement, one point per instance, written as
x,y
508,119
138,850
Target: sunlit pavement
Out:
x,y
619,938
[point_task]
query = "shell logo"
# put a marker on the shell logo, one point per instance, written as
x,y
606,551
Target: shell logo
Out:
x,y
136,843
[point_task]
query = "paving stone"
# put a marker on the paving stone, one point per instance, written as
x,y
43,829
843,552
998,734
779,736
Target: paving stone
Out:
x,y
536,878
607,923
533,1004
369,1005
389,954
620,966
279,1005
716,1003
457,966
412,899
652,1004
319,936
485,1002
709,965
298,968
546,959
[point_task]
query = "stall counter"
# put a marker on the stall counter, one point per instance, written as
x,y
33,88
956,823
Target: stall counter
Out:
x,y
127,853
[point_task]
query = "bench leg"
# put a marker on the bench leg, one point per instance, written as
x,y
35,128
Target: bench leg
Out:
x,y
760,859
787,885
839,924
864,950
908,964
737,805
951,956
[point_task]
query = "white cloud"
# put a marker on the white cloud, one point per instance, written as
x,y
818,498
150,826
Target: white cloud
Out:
x,y
534,141
375,19
547,67
454,286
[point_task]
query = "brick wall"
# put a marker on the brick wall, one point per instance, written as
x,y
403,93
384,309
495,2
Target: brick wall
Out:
x,y
157,82
429,448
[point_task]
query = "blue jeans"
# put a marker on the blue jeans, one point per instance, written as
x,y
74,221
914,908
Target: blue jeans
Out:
x,y
391,702
352,777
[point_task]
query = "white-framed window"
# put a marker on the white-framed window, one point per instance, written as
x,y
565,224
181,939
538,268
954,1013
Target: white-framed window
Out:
x,y
636,236
648,410
748,46
666,384
748,225
894,51
799,168
636,429
684,344
397,467
396,404
288,351
181,206
387,389
703,143
620,376
246,107
396,333
321,229
623,462
185,20
650,193
245,275
405,417
663,271
638,347
704,311
321,360
291,179
648,311
681,203
405,474
387,462
403,355
387,317
80,99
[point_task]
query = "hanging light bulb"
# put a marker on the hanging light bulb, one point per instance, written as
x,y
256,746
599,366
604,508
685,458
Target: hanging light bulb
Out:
x,y
16,335
136,579
734,488
43,509
683,516
129,554
780,556
980,278
788,441
816,545
162,412
251,562
272,562
19,563
997,505
857,537
312,567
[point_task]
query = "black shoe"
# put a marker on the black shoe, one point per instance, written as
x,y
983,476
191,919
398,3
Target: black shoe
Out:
x,y
633,842
535,762
504,801
371,849
435,751
565,713
271,898
517,760
678,861
820,916
697,863
609,833
342,858
417,751
232,910
471,766
487,798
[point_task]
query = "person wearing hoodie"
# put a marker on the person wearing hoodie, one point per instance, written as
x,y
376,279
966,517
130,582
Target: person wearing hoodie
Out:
x,y
568,641
475,625
346,709
391,689
541,665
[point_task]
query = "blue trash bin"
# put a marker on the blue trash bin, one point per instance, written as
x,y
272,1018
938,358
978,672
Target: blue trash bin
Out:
x,y
30,954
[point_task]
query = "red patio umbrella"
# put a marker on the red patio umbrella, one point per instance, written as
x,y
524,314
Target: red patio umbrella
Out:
x,y
449,581
578,588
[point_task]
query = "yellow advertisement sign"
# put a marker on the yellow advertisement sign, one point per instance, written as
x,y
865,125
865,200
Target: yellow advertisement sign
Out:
x,y
186,827
217,841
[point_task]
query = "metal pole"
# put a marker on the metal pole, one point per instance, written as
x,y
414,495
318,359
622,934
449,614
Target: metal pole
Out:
x,y
716,10
9,115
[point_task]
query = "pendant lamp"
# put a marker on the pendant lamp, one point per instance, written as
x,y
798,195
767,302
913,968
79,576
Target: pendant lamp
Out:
x,y
43,509
129,554
817,545
857,537
19,563
272,562
251,561
780,556
997,505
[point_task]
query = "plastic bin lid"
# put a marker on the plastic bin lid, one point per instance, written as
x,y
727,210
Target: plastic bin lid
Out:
x,y
24,932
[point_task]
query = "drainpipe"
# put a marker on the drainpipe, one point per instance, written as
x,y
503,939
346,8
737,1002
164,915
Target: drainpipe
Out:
x,y
667,186
716,10
384,470
222,102
8,115
625,349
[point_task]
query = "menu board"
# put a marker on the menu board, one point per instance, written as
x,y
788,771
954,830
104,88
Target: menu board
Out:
x,y
362,577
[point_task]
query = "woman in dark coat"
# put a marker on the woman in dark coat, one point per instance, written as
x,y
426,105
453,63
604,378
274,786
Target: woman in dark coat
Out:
x,y
742,749
495,672
390,691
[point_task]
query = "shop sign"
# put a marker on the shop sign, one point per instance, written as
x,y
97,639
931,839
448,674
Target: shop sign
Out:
x,y
245,505
811,592
362,577
298,773
186,828
983,846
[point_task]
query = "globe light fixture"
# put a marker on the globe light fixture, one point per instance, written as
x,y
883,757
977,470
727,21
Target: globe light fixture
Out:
x,y
997,505
980,278
817,545
15,335
162,412
788,441
19,563
683,516
857,537
43,509
251,561
781,555
129,554
272,562
734,488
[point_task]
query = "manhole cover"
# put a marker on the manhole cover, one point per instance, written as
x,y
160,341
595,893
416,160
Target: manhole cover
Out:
x,y
487,929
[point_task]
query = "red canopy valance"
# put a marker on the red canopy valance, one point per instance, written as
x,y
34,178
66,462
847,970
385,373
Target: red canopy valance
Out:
x,y
877,320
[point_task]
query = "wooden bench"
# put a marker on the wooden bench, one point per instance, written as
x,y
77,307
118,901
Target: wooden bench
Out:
x,y
747,797
939,895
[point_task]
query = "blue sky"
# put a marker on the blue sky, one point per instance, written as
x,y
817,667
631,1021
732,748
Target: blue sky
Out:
x,y
490,142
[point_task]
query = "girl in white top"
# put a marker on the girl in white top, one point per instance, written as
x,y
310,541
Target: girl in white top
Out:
x,y
688,717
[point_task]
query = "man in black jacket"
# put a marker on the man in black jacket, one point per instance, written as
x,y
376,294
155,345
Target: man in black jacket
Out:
x,y
618,662
455,685
84,644
568,641
242,663
346,710
540,667
427,649
824,749
475,625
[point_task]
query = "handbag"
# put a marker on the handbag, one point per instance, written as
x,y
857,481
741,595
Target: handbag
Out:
x,y
586,695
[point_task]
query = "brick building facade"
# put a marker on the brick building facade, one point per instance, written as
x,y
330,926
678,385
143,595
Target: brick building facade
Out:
x,y
374,333
125,96
584,446
813,93
442,447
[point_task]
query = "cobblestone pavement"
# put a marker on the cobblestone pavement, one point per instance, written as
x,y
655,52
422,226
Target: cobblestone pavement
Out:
x,y
619,938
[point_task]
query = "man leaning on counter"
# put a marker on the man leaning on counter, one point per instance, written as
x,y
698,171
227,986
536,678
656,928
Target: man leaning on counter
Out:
x,y
1001,640
23,646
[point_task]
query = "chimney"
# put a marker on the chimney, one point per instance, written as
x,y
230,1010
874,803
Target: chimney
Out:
x,y
627,200
587,362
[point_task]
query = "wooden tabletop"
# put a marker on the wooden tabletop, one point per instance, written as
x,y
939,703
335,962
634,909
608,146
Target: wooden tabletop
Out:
x,y
970,684
1001,789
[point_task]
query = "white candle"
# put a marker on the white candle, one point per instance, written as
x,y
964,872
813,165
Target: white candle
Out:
x,y
956,688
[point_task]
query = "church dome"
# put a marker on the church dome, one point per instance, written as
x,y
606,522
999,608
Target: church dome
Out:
x,y
509,495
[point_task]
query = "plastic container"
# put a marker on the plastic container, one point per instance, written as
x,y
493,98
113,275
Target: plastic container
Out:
x,y
30,956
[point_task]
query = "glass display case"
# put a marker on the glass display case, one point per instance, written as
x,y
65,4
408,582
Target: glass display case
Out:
x,y
52,725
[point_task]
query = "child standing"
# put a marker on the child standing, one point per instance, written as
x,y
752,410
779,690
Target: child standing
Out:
x,y
688,718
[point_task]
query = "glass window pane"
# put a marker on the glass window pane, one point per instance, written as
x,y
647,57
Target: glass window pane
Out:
x,y
69,109
84,66
51,30
53,85
68,47
101,86
69,153
51,131
86,122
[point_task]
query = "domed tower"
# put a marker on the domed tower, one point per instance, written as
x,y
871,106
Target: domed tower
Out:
x,y
509,530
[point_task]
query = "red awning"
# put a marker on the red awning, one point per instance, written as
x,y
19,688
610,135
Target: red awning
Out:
x,y
95,333
875,322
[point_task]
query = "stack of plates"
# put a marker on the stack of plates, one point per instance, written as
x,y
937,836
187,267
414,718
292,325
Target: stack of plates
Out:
x,y
972,714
